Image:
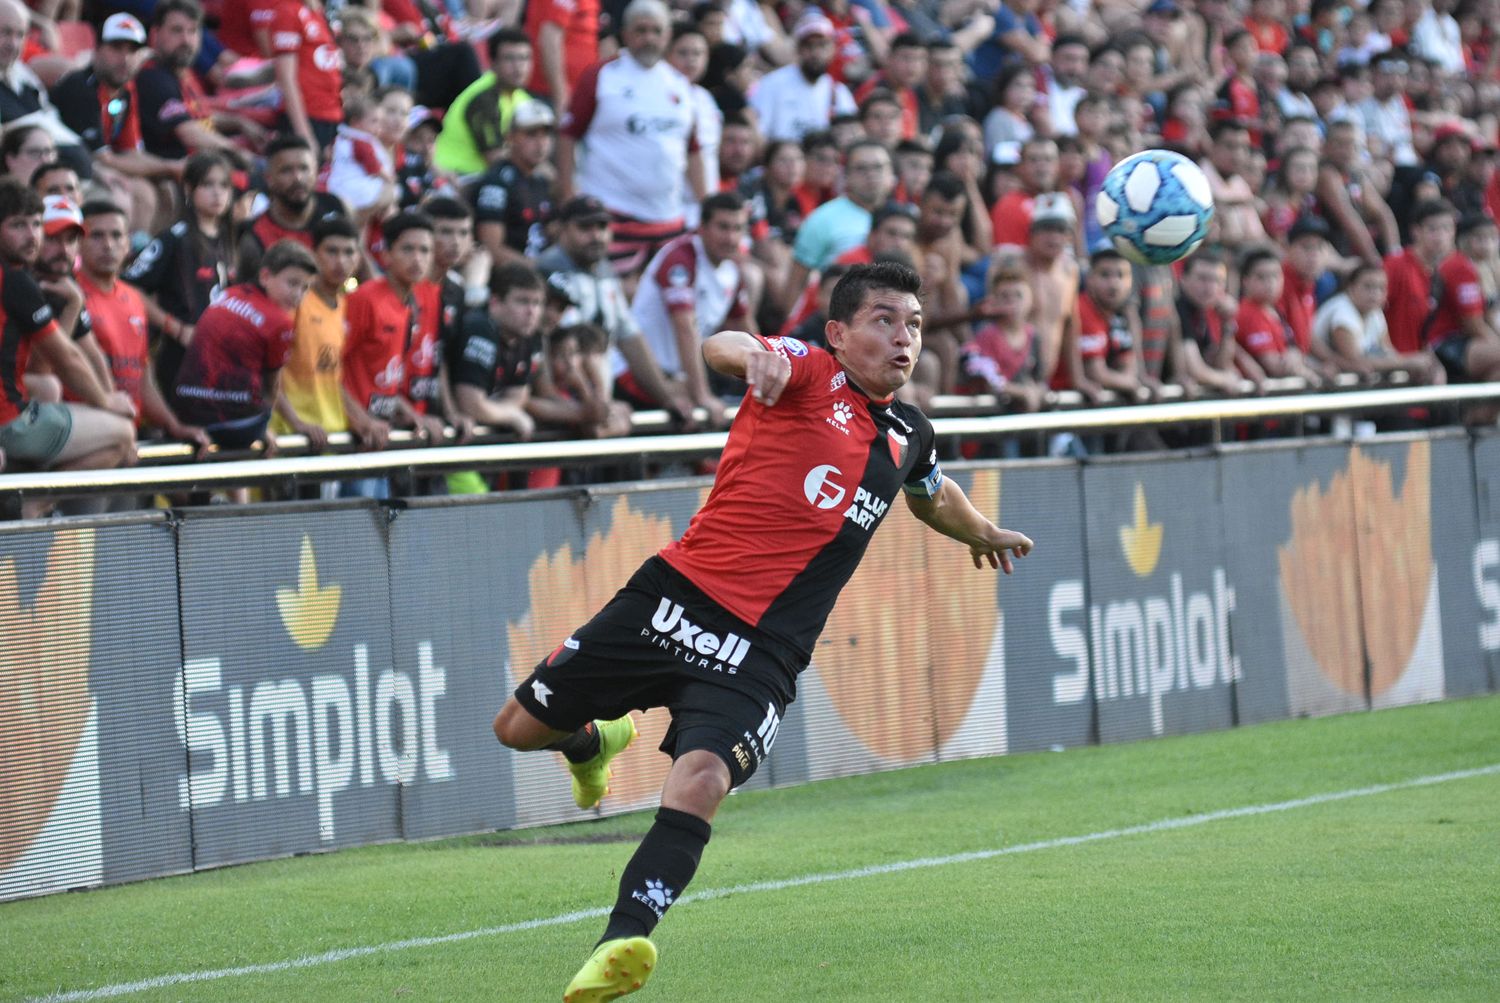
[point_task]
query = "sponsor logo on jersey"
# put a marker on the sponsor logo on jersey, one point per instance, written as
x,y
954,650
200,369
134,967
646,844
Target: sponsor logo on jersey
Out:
x,y
839,379
677,275
819,490
672,631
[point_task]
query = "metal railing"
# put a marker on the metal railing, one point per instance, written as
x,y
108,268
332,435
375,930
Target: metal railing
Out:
x,y
954,417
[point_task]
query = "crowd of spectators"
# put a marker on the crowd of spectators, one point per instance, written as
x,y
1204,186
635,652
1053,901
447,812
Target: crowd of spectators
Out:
x,y
250,217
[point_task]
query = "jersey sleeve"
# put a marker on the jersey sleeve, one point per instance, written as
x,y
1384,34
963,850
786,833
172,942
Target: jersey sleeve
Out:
x,y
676,278
148,272
24,304
161,105
286,30
491,200
580,112
809,364
926,478
475,363
1461,287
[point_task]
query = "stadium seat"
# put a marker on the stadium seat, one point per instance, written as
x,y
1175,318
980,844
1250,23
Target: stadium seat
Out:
x,y
75,38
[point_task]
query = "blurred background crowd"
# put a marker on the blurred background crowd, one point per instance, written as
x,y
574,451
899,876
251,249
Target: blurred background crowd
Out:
x,y
225,222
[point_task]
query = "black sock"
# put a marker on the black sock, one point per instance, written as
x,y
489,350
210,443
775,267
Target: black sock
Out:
x,y
581,746
663,865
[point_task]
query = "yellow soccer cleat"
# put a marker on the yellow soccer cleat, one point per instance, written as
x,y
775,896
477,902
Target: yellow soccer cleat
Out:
x,y
617,968
591,779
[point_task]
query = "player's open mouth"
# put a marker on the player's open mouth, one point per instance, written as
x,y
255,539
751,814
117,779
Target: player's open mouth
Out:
x,y
901,361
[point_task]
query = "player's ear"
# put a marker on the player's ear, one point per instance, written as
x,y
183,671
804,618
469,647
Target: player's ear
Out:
x,y
833,334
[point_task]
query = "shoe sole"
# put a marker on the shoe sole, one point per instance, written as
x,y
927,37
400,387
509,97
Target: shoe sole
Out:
x,y
626,968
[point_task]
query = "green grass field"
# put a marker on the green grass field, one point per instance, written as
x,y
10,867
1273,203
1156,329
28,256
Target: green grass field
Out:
x,y
1392,894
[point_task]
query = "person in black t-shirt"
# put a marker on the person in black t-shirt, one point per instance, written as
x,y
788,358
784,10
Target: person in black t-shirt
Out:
x,y
500,348
186,266
295,203
512,198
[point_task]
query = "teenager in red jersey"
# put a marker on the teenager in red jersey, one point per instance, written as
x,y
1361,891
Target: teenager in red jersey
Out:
x,y
718,625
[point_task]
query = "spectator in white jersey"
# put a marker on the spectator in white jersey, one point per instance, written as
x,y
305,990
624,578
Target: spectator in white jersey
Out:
x,y
802,97
633,117
691,290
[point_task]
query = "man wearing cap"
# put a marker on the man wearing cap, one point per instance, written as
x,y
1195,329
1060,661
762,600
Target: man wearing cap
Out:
x,y
62,228
101,104
476,125
578,269
802,97
513,198
632,121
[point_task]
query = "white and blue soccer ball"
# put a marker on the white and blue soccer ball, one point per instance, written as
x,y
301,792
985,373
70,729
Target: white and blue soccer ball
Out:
x,y
1154,207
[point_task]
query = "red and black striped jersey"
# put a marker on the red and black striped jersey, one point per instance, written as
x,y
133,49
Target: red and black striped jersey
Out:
x,y
24,317
801,487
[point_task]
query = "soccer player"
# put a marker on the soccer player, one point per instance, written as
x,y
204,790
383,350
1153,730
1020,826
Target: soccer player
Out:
x,y
718,625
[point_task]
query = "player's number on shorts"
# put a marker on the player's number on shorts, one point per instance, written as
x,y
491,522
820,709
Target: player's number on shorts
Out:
x,y
767,730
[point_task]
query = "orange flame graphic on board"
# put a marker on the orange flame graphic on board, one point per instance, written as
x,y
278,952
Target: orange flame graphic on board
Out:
x,y
872,661
44,686
567,590
1361,524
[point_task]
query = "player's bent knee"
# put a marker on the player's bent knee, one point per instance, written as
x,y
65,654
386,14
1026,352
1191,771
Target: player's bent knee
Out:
x,y
516,728
698,782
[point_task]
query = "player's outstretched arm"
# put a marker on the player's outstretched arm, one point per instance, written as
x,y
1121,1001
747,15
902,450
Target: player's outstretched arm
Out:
x,y
738,353
951,513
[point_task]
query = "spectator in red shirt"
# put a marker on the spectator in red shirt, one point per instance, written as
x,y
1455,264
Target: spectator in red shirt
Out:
x,y
228,380
390,351
1258,326
1239,97
1107,329
567,43
1266,23
905,67
1409,271
117,314
1460,330
1305,263
307,72
1211,357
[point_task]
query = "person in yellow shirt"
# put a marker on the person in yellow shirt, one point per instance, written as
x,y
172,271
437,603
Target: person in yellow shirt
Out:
x,y
310,381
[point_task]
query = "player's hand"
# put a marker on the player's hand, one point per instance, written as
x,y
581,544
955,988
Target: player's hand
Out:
x,y
999,548
768,374
431,428
316,436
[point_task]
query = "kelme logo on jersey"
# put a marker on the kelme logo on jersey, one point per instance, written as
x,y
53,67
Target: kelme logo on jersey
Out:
x,y
842,412
671,631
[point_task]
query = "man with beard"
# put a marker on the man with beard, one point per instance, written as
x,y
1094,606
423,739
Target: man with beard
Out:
x,y
96,434
801,97
101,104
118,315
175,115
576,267
634,117
51,264
295,205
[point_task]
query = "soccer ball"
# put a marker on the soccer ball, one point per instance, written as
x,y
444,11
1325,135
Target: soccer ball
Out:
x,y
1155,207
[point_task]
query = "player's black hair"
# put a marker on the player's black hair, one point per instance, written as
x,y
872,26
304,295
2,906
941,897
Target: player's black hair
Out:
x,y
849,295
286,254
101,207
409,219
907,40
1206,256
893,210
506,36
16,199
945,185
445,207
512,276
720,202
284,141
333,226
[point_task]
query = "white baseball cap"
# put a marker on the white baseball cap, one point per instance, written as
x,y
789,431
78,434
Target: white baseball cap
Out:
x,y
123,27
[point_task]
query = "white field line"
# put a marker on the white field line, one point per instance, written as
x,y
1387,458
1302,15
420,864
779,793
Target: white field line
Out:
x,y
920,863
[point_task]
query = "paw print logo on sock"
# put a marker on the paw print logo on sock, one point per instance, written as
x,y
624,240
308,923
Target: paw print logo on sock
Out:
x,y
659,894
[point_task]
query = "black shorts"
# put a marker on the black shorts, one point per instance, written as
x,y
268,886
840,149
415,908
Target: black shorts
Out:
x,y
1451,352
660,642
